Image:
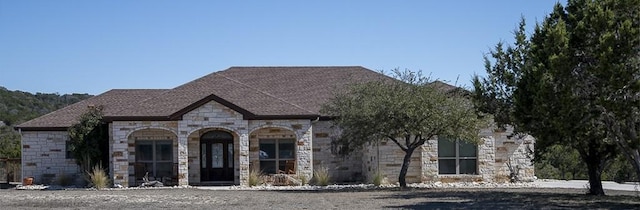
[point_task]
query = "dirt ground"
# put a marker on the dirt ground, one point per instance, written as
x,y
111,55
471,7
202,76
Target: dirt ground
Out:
x,y
522,198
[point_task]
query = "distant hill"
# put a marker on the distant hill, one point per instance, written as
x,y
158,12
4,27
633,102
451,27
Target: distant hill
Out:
x,y
18,106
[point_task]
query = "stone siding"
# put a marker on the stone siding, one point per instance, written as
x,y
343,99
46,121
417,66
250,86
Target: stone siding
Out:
x,y
44,157
515,150
213,116
302,131
148,134
341,169
120,148
386,158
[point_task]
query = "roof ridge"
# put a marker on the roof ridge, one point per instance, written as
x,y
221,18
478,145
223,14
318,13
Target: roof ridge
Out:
x,y
263,92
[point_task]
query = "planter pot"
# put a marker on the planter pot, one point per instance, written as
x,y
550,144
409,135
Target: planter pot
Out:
x,y
27,181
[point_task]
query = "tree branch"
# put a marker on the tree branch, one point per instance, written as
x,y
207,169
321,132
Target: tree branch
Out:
x,y
398,143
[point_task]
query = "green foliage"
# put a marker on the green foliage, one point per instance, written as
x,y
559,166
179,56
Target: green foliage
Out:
x,y
574,83
98,177
377,179
9,143
17,107
86,136
407,111
321,176
561,162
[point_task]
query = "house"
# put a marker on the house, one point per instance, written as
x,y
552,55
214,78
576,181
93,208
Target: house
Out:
x,y
216,128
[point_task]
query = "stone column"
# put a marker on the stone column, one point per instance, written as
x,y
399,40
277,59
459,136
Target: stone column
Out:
x,y
183,159
120,156
244,156
305,152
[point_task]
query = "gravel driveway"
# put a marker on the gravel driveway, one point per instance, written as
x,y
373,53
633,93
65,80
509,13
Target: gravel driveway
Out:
x,y
193,198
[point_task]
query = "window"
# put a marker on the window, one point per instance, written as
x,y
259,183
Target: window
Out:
x,y
274,153
155,157
457,157
67,149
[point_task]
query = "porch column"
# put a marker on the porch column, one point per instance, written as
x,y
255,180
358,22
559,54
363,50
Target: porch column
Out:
x,y
119,156
183,159
244,157
305,152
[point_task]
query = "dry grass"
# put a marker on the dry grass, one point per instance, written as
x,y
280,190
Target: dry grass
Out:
x,y
98,178
377,179
255,178
321,176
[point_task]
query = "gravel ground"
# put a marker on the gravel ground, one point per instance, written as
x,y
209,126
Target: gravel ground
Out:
x,y
394,198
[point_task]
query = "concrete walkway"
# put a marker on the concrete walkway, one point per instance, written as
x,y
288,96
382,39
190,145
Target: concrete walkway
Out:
x,y
584,184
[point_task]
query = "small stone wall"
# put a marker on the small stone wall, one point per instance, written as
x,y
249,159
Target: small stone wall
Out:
x,y
44,157
341,169
387,158
515,150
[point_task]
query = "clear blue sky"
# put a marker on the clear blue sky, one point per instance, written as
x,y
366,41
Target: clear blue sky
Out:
x,y
93,46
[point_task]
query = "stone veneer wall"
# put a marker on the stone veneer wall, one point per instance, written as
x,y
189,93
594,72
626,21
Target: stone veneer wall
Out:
x,y
341,169
302,130
495,150
485,160
386,157
195,157
120,149
518,150
213,116
265,133
44,156
148,134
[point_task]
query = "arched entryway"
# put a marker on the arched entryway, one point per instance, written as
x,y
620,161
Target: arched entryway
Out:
x,y
153,154
216,157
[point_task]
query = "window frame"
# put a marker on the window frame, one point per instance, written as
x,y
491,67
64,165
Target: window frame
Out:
x,y
457,158
277,158
154,156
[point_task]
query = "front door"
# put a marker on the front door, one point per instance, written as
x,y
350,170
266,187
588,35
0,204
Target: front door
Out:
x,y
216,160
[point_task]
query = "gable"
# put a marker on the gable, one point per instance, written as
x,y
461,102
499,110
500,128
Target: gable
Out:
x,y
254,92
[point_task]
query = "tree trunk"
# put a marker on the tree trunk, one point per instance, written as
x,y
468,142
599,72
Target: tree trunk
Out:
x,y
594,167
405,167
595,179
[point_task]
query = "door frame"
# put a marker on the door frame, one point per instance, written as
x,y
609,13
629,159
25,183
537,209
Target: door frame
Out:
x,y
212,137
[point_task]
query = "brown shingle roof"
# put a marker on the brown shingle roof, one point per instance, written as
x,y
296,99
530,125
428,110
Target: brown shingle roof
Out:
x,y
112,101
256,92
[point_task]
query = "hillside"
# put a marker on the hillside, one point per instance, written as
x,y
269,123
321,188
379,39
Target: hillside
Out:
x,y
18,106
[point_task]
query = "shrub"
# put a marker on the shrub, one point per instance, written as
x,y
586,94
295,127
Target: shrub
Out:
x,y
98,178
321,176
377,179
255,178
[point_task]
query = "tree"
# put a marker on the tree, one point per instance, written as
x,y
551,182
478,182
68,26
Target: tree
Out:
x,y
86,138
9,143
407,111
562,80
